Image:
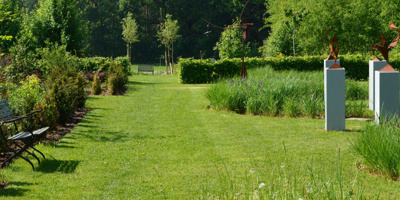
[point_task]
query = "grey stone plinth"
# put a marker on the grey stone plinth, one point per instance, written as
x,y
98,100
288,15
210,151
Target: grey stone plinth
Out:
x,y
386,94
334,86
327,64
374,66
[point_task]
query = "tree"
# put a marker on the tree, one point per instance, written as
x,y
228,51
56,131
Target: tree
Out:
x,y
129,33
230,42
357,24
59,22
10,19
167,34
294,19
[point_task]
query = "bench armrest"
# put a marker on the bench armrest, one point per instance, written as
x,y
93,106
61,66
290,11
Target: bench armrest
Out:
x,y
14,119
33,112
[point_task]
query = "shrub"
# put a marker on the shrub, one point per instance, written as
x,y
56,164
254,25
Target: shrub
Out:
x,y
66,91
26,97
96,86
206,71
195,71
117,78
102,64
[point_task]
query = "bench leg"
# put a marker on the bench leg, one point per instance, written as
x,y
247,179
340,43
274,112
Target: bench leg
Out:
x,y
18,153
39,152
26,150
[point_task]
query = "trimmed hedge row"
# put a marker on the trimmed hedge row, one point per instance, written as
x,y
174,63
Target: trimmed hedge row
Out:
x,y
205,71
101,64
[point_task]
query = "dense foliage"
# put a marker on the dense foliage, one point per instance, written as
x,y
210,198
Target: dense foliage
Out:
x,y
207,71
230,45
93,28
357,24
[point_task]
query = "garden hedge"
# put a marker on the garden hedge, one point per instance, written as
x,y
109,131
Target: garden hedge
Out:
x,y
101,64
206,71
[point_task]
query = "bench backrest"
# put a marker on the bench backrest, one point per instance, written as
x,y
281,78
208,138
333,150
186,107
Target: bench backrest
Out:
x,y
5,110
146,67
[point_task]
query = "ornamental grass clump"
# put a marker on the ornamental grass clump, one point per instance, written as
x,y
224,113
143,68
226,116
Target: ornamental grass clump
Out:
x,y
379,147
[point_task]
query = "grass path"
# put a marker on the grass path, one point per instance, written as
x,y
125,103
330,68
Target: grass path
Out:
x,y
160,141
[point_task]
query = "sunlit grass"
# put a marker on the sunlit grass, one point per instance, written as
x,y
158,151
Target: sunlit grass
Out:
x,y
159,141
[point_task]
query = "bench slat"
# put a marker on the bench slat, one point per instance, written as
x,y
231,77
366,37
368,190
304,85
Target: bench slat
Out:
x,y
4,104
6,116
5,110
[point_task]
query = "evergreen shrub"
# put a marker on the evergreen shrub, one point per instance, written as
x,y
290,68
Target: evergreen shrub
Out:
x,y
117,78
101,64
96,85
205,71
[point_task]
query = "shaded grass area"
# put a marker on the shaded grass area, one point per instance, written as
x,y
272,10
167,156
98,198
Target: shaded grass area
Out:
x,y
159,141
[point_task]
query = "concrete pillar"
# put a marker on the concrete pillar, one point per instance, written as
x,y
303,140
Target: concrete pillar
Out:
x,y
327,64
334,87
386,93
374,65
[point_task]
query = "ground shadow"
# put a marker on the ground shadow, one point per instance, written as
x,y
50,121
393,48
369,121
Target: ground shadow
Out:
x,y
105,137
10,191
139,83
58,145
52,166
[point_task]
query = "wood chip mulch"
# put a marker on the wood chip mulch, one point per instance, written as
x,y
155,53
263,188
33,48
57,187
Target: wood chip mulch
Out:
x,y
55,135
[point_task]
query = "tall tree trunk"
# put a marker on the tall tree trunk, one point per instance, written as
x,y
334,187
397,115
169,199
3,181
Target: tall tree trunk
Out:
x,y
147,19
165,58
172,57
294,46
127,50
130,52
169,58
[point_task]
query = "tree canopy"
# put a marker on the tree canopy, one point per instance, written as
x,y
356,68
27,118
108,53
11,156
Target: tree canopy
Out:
x,y
357,24
93,27
129,32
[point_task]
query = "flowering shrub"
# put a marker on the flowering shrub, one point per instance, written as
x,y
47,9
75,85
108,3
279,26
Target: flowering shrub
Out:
x,y
90,76
25,98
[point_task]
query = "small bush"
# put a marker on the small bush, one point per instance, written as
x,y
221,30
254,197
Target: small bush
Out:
x,y
25,98
117,78
66,91
96,85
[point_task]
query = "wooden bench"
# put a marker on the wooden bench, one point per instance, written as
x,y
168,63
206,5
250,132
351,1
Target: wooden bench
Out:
x,y
146,68
17,134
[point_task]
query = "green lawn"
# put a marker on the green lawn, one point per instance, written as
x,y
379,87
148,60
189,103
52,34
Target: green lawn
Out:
x,y
160,141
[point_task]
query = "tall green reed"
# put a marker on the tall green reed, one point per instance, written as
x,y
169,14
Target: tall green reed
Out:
x,y
379,146
284,93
